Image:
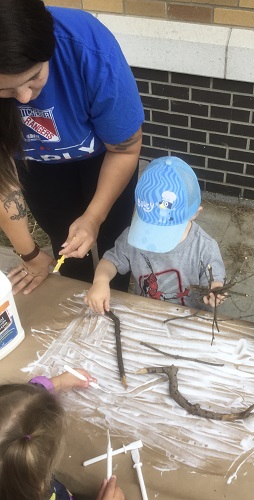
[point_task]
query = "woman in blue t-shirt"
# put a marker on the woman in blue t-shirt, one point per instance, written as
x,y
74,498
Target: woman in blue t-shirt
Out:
x,y
70,116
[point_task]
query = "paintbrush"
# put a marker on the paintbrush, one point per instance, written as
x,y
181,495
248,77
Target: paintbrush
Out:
x,y
61,261
81,377
58,264
109,457
137,465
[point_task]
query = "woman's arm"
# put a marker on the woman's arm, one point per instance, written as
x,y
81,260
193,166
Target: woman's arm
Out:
x,y
117,169
14,223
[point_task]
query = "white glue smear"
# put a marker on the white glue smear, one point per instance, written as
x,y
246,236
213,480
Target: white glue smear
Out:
x,y
145,410
237,464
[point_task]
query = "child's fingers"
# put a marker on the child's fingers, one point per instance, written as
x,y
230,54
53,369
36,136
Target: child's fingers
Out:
x,y
106,304
100,306
213,299
219,299
110,491
209,300
96,304
86,374
206,299
110,488
102,489
73,381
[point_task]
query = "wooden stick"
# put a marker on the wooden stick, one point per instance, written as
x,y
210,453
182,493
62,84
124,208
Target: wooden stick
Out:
x,y
109,457
176,356
119,353
193,409
182,317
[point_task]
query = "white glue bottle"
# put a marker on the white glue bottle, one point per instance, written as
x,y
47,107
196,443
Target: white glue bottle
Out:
x,y
11,331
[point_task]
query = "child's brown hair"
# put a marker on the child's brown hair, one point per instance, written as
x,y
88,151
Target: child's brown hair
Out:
x,y
31,428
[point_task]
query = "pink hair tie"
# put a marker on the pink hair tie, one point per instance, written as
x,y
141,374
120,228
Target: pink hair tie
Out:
x,y
27,437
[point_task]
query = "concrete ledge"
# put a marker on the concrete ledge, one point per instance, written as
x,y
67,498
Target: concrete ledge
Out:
x,y
196,49
240,60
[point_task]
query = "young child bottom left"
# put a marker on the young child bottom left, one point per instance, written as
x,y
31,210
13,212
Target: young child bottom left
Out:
x,y
32,424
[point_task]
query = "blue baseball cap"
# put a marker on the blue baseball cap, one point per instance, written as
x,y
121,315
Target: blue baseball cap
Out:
x,y
167,196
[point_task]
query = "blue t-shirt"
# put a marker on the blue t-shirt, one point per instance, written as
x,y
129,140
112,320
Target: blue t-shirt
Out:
x,y
90,97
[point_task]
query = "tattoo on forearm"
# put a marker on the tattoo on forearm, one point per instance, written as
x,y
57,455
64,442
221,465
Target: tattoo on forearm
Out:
x,y
122,146
16,198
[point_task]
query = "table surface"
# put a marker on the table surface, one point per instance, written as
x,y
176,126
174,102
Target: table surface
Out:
x,y
84,440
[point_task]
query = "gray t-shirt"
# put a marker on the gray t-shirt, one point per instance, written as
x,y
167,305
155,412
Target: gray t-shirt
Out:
x,y
167,276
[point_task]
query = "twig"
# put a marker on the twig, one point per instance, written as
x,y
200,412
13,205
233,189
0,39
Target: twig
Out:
x,y
193,409
203,291
218,290
177,317
116,321
176,356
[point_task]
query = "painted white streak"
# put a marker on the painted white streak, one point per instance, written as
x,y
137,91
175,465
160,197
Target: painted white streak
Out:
x,y
145,410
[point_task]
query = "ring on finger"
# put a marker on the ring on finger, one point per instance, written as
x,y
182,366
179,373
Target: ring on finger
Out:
x,y
24,271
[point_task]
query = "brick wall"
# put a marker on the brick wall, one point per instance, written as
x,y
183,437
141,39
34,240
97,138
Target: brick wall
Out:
x,y
207,122
224,12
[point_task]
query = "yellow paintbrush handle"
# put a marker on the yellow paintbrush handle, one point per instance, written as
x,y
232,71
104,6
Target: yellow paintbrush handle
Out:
x,y
58,264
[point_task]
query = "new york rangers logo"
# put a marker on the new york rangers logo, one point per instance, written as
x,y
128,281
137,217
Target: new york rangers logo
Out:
x,y
40,124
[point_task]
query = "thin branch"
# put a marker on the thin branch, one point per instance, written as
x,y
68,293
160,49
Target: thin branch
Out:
x,y
176,356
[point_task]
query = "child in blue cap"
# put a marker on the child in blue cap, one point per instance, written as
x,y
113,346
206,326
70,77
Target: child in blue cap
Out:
x,y
164,248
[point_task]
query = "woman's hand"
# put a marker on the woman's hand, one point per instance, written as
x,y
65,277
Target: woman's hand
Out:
x,y
119,165
67,381
29,275
82,236
110,491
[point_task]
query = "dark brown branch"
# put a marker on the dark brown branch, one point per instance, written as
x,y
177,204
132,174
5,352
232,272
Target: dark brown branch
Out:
x,y
193,409
176,356
204,291
218,290
182,317
116,321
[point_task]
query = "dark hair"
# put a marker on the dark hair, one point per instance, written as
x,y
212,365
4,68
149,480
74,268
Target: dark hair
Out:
x,y
26,35
31,428
26,39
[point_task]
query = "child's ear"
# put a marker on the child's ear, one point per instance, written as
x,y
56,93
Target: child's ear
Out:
x,y
197,213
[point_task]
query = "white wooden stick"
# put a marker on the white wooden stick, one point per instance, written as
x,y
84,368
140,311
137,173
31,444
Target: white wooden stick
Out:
x,y
81,377
124,449
137,465
109,457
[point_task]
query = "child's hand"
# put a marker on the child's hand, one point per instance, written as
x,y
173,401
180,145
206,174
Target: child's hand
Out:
x,y
109,490
210,299
98,297
67,381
